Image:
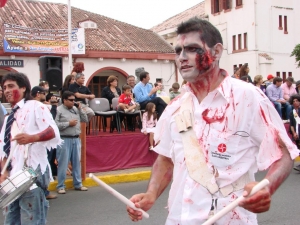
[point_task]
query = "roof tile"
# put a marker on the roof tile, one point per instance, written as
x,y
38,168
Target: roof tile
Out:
x,y
118,35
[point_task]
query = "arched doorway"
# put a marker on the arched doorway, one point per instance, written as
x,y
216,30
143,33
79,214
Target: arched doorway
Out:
x,y
98,80
3,71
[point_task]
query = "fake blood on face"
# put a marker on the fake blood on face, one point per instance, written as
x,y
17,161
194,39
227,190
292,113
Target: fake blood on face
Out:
x,y
203,60
16,95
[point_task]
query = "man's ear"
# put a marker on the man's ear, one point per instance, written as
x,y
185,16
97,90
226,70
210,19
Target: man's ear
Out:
x,y
217,51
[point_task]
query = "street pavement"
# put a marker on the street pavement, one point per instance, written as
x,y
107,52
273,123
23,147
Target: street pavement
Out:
x,y
97,206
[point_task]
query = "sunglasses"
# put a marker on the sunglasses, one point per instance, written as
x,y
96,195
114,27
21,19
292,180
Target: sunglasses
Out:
x,y
71,100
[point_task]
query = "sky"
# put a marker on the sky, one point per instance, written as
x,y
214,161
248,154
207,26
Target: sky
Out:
x,y
140,13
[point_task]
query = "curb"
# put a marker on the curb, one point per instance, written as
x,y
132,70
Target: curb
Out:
x,y
108,179
113,179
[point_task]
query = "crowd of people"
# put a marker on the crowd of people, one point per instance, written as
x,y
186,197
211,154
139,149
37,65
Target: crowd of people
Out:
x,y
206,133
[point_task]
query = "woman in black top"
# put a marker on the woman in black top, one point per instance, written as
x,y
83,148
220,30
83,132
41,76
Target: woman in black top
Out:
x,y
295,115
111,90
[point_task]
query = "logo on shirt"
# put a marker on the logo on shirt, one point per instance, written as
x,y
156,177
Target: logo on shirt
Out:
x,y
222,148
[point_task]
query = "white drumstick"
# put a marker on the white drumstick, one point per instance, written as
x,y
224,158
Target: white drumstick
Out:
x,y
119,196
235,203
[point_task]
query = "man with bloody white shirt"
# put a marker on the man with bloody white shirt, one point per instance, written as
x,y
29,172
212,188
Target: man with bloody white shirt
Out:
x,y
38,131
213,139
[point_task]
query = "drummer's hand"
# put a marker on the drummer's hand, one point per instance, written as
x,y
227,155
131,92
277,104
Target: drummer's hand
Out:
x,y
257,203
144,201
23,139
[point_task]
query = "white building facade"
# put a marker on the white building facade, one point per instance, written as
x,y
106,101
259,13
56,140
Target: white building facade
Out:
x,y
262,33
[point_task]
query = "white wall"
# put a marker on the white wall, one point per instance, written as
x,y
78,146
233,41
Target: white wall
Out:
x,y
160,69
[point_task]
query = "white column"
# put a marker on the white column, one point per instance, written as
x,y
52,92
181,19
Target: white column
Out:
x,y
70,34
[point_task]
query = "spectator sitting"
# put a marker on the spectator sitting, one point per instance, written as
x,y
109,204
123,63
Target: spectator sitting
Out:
x,y
275,94
70,79
82,93
258,82
288,88
149,122
78,68
144,93
244,71
295,119
175,91
236,73
245,78
160,91
269,80
131,82
126,102
111,90
298,87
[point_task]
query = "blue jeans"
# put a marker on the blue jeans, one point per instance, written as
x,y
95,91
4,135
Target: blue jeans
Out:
x,y
70,150
31,207
288,108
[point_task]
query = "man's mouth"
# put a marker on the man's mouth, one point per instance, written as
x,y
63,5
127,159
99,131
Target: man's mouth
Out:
x,y
185,67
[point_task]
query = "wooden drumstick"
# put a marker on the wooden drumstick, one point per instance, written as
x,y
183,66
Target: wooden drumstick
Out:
x,y
119,196
236,202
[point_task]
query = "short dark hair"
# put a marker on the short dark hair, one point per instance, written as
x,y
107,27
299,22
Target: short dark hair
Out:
x,y
66,95
111,79
43,83
130,77
175,86
295,96
126,87
143,75
209,33
277,79
22,81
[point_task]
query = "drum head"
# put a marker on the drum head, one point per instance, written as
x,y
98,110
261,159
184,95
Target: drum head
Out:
x,y
10,197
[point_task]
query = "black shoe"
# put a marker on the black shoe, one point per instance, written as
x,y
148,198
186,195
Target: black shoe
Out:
x,y
297,168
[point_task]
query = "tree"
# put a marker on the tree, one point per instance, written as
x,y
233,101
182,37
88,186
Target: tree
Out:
x,y
296,53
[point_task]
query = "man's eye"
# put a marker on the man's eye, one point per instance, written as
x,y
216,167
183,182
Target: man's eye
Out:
x,y
178,51
190,49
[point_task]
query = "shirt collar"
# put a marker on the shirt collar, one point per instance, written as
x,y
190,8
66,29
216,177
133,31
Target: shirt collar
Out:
x,y
21,103
225,87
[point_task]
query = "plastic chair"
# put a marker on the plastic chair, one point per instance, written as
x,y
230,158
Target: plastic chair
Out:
x,y
130,116
101,108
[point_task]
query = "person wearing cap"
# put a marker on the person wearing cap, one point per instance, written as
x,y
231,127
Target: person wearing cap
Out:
x,y
275,94
269,80
39,94
297,87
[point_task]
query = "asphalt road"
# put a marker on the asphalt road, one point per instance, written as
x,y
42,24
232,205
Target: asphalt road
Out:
x,y
97,206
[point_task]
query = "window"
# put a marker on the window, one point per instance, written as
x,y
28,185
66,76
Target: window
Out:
x,y
284,75
215,6
285,25
239,2
277,74
239,41
245,40
280,23
226,4
290,74
233,42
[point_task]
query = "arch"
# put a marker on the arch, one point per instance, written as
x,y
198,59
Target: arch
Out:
x,y
106,68
8,69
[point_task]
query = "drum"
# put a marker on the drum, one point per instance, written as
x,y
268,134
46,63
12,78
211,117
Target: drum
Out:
x,y
14,186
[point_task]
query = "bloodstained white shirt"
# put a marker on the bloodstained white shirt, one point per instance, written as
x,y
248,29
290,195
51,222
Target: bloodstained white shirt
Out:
x,y
236,126
32,117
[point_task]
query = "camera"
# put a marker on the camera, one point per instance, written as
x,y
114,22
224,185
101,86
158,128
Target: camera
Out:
x,y
76,104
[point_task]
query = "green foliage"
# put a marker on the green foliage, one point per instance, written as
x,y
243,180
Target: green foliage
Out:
x,y
296,53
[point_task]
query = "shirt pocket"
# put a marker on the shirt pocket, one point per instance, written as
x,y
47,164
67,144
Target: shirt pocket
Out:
x,y
223,150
